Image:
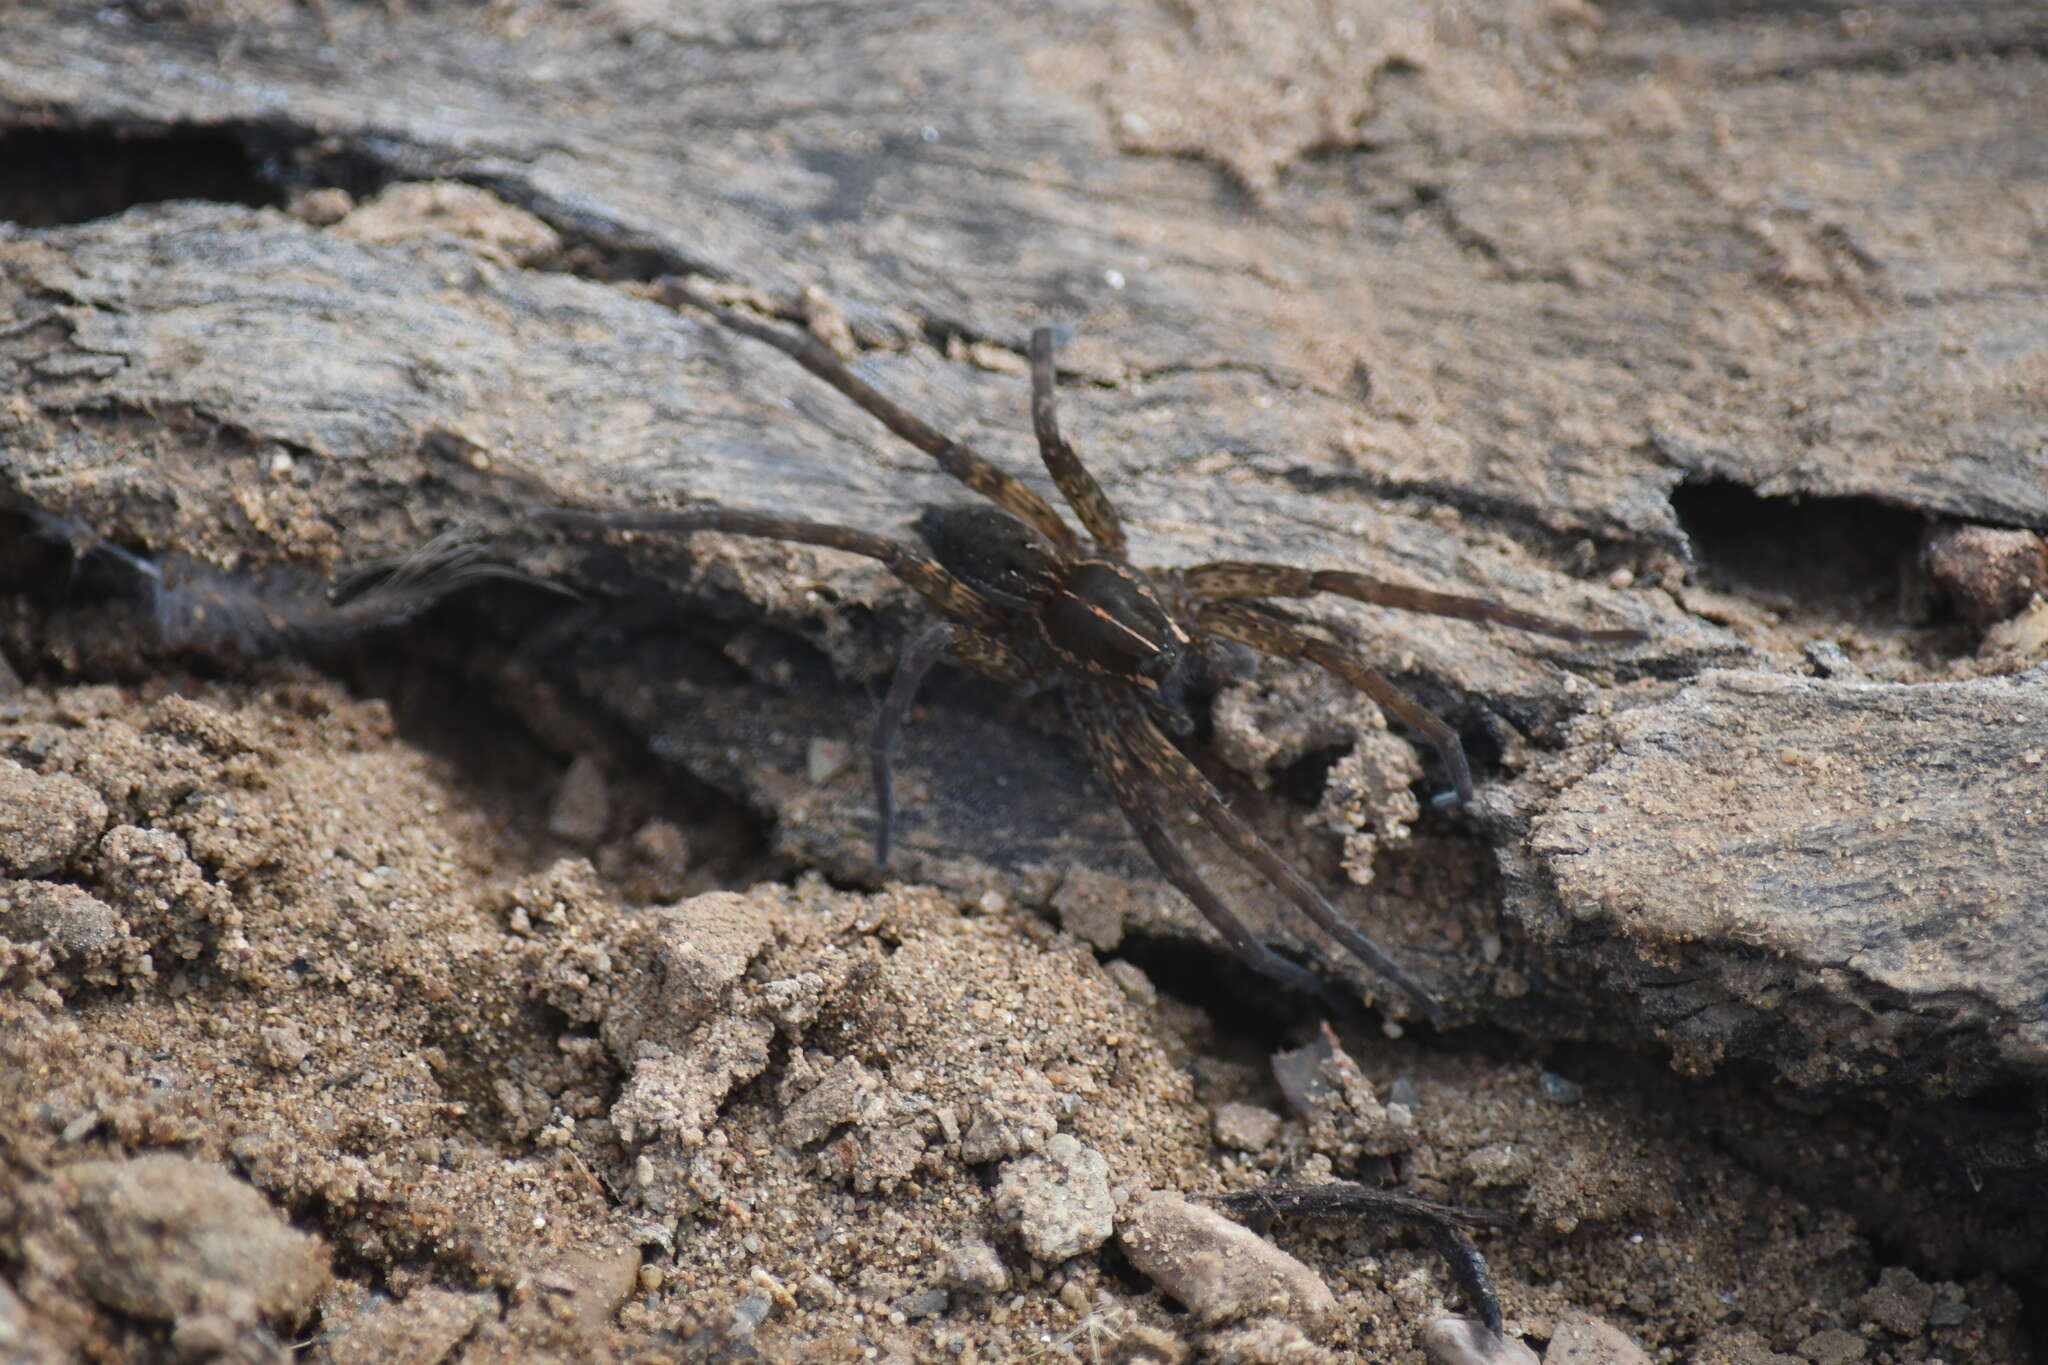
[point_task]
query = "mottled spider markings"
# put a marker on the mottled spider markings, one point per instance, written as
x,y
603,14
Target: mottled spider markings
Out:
x,y
1027,600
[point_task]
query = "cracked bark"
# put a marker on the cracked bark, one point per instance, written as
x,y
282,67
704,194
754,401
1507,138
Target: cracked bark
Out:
x,y
1621,283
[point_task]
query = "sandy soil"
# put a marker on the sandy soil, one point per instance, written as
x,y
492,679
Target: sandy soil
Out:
x,y
509,1111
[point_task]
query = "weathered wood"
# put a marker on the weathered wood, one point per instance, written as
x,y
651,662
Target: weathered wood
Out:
x,y
1484,262
1511,271
1845,881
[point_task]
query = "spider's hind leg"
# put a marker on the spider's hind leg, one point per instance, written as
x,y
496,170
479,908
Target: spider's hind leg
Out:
x,y
1119,768
1145,749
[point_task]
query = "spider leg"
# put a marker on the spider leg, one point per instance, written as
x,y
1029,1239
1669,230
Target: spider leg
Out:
x,y
1270,635
1229,578
951,596
983,653
1118,767
917,661
1445,1224
1076,484
1156,754
957,458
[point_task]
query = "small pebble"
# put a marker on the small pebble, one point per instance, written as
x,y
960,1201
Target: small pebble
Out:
x,y
1561,1089
1057,1199
1221,1271
928,1303
973,1265
582,806
1461,1341
1833,1347
1579,1339
749,1313
825,759
1828,659
1245,1127
1988,573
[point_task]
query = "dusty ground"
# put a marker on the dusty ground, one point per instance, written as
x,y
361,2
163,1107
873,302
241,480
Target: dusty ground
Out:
x,y
518,1111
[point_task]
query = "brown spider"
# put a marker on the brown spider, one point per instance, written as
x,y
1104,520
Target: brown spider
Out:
x,y
1028,601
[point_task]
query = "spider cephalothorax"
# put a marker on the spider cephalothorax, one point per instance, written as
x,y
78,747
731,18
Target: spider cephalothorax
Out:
x,y
1093,616
1027,600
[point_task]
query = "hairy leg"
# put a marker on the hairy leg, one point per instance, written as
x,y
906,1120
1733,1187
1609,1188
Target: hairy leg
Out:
x,y
1156,754
1226,579
951,596
957,458
1076,484
1270,635
1118,767
1445,1223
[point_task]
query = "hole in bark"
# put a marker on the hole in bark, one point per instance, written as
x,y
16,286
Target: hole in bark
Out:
x,y
1845,557
54,176
1303,780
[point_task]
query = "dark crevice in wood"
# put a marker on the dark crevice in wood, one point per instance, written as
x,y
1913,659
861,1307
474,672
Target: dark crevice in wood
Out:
x,y
53,176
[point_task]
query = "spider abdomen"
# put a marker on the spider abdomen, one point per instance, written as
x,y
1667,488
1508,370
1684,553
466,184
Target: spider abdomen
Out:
x,y
995,554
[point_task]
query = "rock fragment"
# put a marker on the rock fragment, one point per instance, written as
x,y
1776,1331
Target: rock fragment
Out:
x,y
1017,1118
674,1096
837,1099
46,820
1461,1341
1582,1340
581,810
1221,1271
973,1265
1345,1117
1988,573
1245,1127
1899,1302
424,1327
172,1239
1057,1199
1266,1341
79,929
1833,1347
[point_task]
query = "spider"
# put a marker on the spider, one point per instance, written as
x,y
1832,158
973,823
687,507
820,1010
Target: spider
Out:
x,y
1028,601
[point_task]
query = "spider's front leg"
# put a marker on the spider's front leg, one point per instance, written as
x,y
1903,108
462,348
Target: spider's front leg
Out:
x,y
1075,483
956,457
965,634
951,596
1228,579
1244,623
